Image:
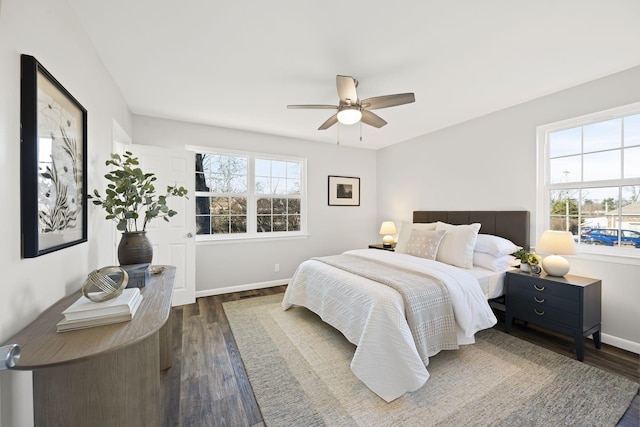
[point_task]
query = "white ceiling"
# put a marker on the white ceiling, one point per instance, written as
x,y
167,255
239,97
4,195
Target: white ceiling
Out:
x,y
237,64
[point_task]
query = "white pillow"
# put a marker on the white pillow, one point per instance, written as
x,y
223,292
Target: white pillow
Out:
x,y
424,244
457,244
495,245
405,233
490,262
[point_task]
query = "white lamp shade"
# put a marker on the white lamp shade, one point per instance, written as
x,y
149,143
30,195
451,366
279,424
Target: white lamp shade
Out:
x,y
556,243
349,115
388,228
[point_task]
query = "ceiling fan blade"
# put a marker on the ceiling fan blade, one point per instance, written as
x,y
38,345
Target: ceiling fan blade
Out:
x,y
347,90
330,122
372,119
314,107
378,102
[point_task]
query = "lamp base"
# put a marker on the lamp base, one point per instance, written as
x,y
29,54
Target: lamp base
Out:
x,y
555,265
387,241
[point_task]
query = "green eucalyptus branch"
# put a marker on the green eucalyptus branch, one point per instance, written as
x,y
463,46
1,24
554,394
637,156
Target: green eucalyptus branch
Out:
x,y
131,194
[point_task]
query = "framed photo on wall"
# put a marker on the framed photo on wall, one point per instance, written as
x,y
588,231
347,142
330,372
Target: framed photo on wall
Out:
x,y
344,191
53,156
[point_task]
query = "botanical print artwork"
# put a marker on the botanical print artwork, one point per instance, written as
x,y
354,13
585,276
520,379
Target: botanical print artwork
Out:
x,y
59,164
53,163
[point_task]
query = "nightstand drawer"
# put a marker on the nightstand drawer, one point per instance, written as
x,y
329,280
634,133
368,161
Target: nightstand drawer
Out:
x,y
532,311
546,302
525,285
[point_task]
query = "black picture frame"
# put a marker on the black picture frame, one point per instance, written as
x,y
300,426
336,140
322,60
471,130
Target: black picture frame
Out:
x,y
344,191
53,157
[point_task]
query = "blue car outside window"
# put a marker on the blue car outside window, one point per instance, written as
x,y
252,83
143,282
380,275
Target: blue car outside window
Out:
x,y
609,237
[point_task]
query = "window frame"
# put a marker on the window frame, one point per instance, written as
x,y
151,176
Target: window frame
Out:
x,y
252,234
544,187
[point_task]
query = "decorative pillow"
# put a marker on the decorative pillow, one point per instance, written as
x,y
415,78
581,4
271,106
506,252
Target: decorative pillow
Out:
x,y
405,233
457,244
490,262
424,244
495,245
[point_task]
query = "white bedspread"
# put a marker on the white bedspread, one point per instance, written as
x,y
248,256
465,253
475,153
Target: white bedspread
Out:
x,y
371,316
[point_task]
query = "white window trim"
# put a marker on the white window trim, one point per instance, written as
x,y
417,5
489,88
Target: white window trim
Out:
x,y
628,256
251,217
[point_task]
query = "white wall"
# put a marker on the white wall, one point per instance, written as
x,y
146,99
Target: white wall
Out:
x,y
332,229
490,164
496,170
49,31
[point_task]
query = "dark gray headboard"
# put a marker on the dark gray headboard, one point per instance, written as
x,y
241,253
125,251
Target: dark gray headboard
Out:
x,y
512,225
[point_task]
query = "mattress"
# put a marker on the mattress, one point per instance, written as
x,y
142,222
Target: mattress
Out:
x,y
491,282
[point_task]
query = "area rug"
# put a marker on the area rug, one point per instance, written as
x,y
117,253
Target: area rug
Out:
x,y
298,367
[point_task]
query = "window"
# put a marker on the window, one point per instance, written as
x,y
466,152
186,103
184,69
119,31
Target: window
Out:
x,y
248,195
278,195
591,178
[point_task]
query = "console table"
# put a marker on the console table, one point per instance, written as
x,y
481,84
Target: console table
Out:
x,y
102,376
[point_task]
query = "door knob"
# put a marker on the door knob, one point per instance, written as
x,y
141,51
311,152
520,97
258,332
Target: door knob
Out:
x,y
189,235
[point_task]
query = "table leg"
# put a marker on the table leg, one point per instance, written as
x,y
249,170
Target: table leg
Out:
x,y
579,341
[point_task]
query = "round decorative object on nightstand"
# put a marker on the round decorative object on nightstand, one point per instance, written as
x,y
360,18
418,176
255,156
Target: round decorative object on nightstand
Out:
x,y
101,287
555,265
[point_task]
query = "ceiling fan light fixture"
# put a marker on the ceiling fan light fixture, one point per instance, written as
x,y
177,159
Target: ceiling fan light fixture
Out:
x,y
349,115
351,110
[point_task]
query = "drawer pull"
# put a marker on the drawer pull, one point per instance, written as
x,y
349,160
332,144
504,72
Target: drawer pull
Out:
x,y
539,313
539,289
538,300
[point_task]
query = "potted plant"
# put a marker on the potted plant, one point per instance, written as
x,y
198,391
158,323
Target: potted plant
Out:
x,y
523,256
527,259
131,197
534,263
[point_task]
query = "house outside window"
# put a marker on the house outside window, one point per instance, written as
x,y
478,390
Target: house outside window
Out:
x,y
248,195
589,170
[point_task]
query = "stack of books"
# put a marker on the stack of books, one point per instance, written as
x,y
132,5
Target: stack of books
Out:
x,y
85,313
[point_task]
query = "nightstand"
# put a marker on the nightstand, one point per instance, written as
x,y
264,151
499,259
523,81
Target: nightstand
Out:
x,y
384,248
569,305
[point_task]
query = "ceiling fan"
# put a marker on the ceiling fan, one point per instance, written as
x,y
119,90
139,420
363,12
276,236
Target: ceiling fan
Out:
x,y
351,110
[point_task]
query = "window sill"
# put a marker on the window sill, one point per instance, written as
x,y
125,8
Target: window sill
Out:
x,y
249,239
627,256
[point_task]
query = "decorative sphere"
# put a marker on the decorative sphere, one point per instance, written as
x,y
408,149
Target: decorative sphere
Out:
x,y
555,265
100,286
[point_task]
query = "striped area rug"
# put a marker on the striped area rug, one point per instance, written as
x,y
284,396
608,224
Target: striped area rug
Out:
x,y
299,370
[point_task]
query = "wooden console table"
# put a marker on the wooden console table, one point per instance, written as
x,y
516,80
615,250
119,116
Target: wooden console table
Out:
x,y
103,376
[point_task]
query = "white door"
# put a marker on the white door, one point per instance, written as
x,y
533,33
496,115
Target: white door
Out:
x,y
174,241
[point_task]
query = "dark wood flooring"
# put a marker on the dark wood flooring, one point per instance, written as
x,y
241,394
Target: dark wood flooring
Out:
x,y
207,384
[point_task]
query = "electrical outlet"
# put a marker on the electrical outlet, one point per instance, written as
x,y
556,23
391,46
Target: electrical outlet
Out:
x,y
276,267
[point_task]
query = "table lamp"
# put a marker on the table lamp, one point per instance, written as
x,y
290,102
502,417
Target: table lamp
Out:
x,y
556,243
388,228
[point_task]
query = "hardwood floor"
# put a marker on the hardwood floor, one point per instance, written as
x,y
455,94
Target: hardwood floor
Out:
x,y
207,384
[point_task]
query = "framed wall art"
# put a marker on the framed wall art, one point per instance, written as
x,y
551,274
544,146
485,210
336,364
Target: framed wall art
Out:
x,y
53,158
344,191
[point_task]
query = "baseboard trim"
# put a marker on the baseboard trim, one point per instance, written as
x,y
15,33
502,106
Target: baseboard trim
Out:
x,y
240,288
631,346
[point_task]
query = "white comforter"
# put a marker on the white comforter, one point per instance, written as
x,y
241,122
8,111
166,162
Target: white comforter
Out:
x,y
371,316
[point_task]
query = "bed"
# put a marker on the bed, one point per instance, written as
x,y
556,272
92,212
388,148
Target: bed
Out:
x,y
400,308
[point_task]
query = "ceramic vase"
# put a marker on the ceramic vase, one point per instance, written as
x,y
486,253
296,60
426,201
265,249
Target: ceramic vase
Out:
x,y
135,248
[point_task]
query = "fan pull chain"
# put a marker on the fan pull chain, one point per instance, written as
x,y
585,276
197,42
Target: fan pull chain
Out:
x,y
360,130
338,133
